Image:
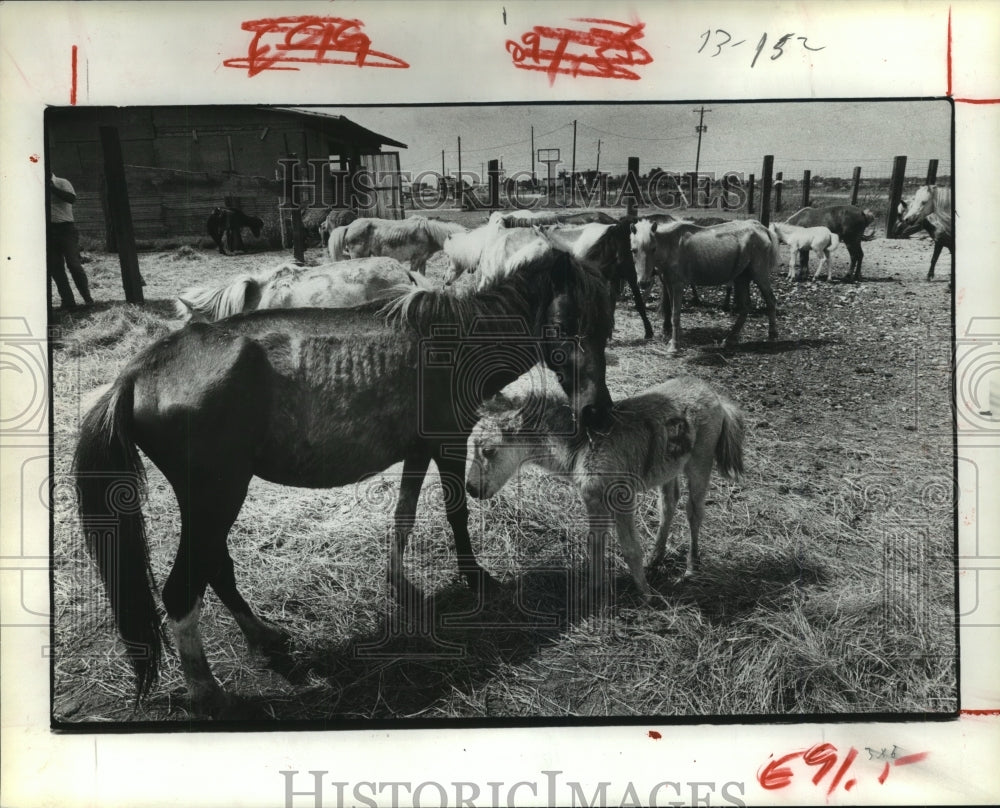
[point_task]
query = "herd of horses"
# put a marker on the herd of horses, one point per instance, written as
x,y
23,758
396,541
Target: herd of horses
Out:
x,y
343,370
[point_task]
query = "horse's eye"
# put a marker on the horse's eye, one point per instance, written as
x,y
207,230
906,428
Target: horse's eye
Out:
x,y
489,452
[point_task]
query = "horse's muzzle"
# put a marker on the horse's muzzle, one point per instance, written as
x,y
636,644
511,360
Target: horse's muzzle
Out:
x,y
598,417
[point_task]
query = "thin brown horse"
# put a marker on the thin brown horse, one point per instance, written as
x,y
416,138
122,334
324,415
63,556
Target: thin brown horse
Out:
x,y
316,398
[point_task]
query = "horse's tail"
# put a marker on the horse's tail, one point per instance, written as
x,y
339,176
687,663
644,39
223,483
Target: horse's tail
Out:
x,y
110,481
336,243
729,447
211,304
774,250
834,241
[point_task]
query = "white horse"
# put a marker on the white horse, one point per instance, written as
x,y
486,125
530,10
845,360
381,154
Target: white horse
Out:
x,y
493,249
333,286
930,210
682,426
820,240
414,239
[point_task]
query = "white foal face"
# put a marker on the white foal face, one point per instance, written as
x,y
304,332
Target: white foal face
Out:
x,y
492,461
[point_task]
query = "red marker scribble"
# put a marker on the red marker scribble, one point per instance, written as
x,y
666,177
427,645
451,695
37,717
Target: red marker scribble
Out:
x,y
654,735
33,158
72,81
605,50
824,756
309,40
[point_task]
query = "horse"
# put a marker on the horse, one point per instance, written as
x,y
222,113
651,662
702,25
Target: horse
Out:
x,y
682,426
929,209
684,254
414,239
530,218
334,219
606,248
287,286
316,398
803,240
847,221
225,224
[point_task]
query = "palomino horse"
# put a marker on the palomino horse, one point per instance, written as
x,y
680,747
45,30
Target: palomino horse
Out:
x,y
847,221
682,426
929,209
288,286
224,226
414,239
805,240
316,398
684,254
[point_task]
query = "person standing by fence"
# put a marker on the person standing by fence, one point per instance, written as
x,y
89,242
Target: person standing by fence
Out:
x,y
64,244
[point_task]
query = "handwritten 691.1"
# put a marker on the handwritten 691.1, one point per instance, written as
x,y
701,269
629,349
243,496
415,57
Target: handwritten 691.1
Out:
x,y
716,42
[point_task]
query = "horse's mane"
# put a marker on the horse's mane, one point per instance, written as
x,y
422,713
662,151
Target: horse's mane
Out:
x,y
440,230
217,302
515,295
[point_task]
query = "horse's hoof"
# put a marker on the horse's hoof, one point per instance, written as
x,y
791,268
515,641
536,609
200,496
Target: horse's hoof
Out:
x,y
214,703
482,583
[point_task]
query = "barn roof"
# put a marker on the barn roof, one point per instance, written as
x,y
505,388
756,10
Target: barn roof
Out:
x,y
339,127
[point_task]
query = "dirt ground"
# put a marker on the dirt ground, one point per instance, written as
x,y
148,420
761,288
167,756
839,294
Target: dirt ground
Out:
x,y
828,583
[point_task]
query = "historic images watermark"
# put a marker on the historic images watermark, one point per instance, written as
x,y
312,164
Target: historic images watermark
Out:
x,y
314,789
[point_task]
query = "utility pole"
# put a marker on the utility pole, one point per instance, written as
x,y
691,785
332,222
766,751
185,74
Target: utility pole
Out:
x,y
532,157
597,170
701,128
572,172
459,187
444,184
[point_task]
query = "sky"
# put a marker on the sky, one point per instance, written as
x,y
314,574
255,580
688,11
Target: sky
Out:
x,y
828,138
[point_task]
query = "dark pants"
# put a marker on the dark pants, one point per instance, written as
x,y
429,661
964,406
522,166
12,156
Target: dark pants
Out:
x,y
64,251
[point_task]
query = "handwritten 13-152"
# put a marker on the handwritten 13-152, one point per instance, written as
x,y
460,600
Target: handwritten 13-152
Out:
x,y
722,39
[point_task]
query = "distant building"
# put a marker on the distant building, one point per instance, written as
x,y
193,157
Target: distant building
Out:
x,y
181,162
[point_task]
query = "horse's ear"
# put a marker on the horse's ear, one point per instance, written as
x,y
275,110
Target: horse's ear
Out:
x,y
631,227
183,307
652,228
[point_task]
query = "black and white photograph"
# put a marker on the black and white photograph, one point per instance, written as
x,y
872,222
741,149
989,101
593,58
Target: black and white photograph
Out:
x,y
540,404
542,425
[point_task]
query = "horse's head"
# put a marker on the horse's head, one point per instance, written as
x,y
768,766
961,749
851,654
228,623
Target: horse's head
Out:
x,y
494,453
642,242
575,327
918,208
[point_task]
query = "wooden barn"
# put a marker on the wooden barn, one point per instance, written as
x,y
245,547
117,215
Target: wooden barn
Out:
x,y
181,162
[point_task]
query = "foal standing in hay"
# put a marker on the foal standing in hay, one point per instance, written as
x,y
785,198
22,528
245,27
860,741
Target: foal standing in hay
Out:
x,y
682,426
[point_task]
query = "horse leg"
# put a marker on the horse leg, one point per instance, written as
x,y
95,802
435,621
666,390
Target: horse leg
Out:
x,y
676,297
771,305
207,513
414,471
938,246
856,253
260,634
640,304
791,261
802,270
418,263
601,523
632,550
741,286
698,476
452,472
695,299
669,494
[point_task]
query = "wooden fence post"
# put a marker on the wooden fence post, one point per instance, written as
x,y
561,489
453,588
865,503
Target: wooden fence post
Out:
x,y
932,168
856,184
750,190
765,190
493,172
806,179
779,182
895,195
121,213
632,181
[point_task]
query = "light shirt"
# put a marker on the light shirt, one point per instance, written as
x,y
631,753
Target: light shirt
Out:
x,y
60,211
